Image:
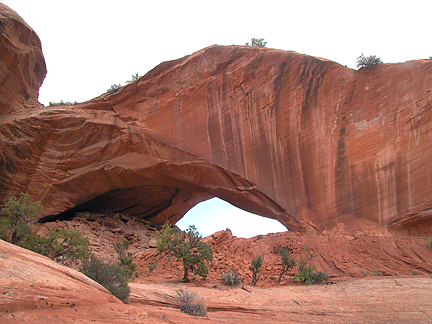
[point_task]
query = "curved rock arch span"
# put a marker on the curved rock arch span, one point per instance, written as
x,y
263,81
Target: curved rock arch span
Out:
x,y
297,138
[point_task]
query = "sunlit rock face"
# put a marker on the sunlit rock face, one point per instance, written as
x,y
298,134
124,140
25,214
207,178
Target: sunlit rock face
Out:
x,y
22,65
296,138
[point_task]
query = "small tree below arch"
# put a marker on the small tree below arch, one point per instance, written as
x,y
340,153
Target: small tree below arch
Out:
x,y
18,213
186,246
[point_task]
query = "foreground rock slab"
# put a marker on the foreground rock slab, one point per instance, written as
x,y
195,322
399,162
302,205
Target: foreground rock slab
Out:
x,y
367,300
35,289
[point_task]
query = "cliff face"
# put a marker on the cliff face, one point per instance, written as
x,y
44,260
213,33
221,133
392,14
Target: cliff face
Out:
x,y
287,136
22,65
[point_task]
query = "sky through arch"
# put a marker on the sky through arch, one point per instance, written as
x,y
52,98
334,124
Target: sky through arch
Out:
x,y
216,214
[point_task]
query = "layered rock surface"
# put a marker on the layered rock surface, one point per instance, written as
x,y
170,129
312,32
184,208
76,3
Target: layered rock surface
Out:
x,y
22,64
287,136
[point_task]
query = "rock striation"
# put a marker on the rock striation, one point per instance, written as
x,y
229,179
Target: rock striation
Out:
x,y
292,137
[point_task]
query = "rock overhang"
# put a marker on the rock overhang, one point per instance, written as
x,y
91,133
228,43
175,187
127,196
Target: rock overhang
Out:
x,y
287,136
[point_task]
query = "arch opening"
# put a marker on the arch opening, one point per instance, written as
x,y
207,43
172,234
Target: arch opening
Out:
x,y
215,215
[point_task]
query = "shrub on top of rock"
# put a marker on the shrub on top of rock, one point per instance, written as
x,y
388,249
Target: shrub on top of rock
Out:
x,y
114,88
135,77
257,42
369,61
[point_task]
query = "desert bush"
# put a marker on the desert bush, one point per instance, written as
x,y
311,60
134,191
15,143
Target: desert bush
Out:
x,y
108,275
309,276
114,88
62,244
152,267
61,102
376,273
307,273
430,242
189,304
126,263
257,42
231,278
254,267
369,61
17,214
58,244
414,272
186,246
135,77
287,262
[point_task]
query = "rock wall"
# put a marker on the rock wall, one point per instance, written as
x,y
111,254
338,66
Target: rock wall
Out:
x,y
22,65
292,137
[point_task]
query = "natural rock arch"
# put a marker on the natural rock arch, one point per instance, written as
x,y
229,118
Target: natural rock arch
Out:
x,y
292,137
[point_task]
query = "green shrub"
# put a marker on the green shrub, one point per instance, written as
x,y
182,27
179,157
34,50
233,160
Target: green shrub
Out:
x,y
287,262
257,42
414,272
126,264
369,61
376,273
186,246
58,244
307,273
254,267
18,213
188,303
114,88
135,77
108,275
430,242
152,267
62,244
231,278
61,103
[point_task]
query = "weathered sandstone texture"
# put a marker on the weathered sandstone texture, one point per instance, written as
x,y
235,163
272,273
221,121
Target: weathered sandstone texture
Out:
x,y
28,278
22,64
292,137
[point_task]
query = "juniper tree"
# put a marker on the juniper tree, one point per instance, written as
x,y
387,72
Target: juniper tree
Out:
x,y
186,246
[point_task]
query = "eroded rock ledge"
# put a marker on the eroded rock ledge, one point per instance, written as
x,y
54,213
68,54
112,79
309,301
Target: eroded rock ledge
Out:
x,y
292,137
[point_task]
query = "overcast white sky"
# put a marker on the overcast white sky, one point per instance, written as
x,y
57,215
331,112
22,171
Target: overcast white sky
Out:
x,y
91,44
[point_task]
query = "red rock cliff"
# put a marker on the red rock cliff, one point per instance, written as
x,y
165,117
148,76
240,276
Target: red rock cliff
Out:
x,y
288,136
22,65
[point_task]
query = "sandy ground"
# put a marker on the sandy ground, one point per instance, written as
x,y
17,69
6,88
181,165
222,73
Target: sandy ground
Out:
x,y
365,300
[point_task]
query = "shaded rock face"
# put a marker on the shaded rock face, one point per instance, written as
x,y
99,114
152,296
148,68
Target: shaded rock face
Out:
x,y
299,139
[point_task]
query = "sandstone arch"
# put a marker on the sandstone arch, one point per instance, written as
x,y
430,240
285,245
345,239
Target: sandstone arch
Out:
x,y
292,137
